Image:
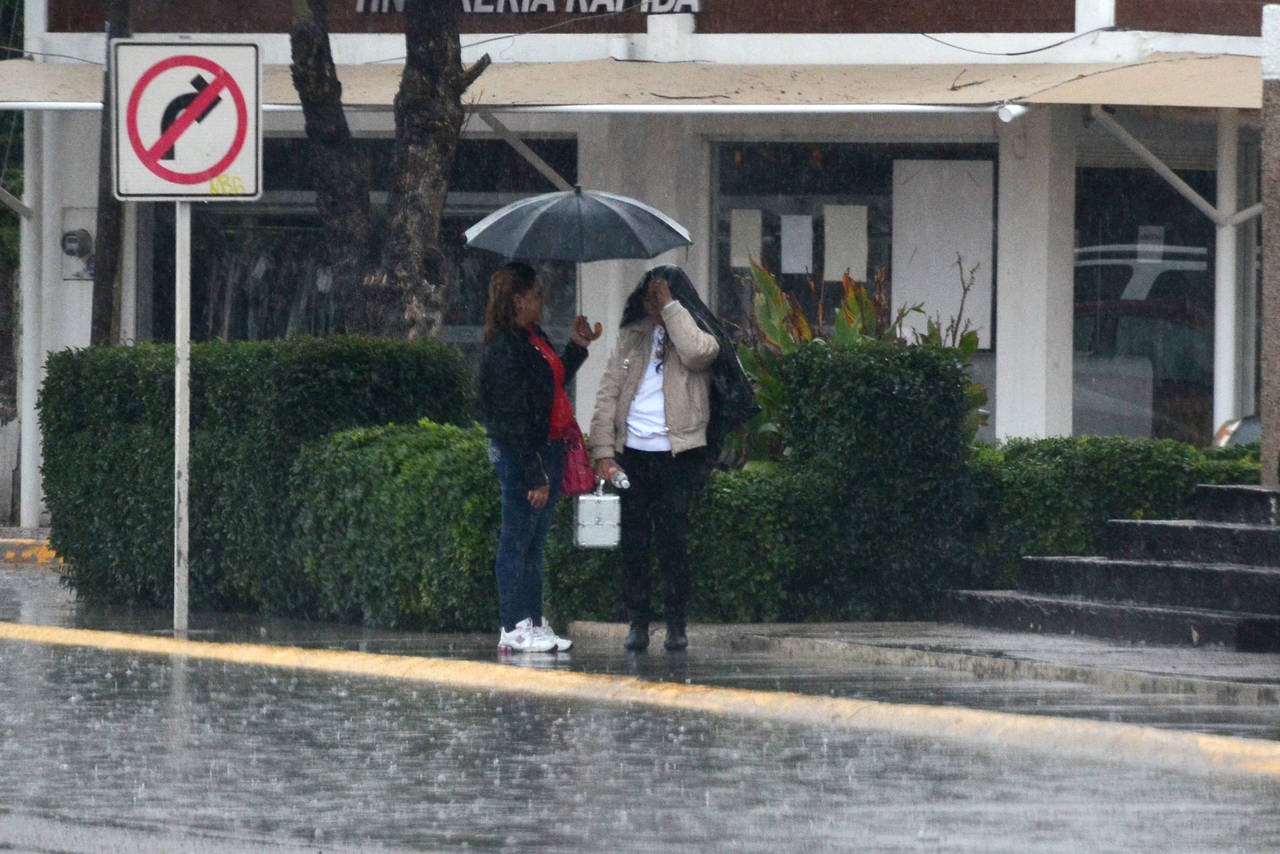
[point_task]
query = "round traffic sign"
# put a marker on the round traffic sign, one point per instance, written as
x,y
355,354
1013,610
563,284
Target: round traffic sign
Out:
x,y
151,155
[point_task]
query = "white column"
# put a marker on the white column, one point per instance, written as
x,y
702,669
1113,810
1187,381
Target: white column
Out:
x,y
603,152
1249,269
663,161
1269,405
1095,15
31,297
1034,285
1226,365
669,38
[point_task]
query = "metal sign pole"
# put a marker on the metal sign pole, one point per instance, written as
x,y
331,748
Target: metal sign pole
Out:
x,y
187,124
181,412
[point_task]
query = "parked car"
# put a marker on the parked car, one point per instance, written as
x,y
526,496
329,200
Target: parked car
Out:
x,y
1239,431
1144,340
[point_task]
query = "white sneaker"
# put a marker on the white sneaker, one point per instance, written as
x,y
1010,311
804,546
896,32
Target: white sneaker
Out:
x,y
525,638
543,629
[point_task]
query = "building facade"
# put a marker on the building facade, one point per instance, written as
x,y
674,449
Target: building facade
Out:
x,y
1089,167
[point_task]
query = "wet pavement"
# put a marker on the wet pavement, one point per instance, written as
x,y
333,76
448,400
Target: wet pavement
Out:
x,y
1169,687
119,751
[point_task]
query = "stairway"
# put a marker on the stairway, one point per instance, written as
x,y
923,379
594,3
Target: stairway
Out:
x,y
1212,580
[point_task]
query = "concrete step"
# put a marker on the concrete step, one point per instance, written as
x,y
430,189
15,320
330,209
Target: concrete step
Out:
x,y
1215,586
1255,505
1194,541
1027,612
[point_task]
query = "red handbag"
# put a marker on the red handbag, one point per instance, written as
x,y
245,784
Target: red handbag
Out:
x,y
577,477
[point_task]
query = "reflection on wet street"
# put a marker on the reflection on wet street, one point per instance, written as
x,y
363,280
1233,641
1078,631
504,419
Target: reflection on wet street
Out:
x,y
242,757
303,757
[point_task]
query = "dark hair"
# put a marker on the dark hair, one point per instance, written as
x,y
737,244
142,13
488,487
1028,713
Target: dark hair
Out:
x,y
509,281
681,290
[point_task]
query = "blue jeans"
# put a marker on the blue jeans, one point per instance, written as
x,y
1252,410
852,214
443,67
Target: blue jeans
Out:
x,y
520,563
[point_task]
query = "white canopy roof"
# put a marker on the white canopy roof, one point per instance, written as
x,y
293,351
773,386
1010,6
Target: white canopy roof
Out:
x,y
1170,80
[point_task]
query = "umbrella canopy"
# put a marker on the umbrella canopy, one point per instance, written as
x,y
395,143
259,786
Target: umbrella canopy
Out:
x,y
577,225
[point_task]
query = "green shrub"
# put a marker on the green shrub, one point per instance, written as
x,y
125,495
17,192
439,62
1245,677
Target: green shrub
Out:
x,y
107,420
739,554
739,549
1054,496
1232,464
106,484
880,504
876,434
398,526
579,584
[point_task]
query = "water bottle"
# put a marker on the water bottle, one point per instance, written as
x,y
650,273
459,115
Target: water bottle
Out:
x,y
617,477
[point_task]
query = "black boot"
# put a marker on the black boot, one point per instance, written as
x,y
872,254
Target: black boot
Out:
x,y
638,638
676,639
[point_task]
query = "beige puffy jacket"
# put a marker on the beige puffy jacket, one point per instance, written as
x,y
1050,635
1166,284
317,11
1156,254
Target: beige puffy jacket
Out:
x,y
686,382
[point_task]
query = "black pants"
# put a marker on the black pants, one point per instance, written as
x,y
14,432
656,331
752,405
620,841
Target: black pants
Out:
x,y
656,507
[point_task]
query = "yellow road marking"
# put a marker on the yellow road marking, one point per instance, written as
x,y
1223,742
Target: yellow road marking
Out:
x,y
1186,751
27,551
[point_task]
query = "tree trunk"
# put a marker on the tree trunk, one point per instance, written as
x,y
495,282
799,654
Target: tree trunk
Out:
x,y
411,282
392,282
339,171
104,327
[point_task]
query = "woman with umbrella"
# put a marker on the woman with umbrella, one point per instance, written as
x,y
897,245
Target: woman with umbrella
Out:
x,y
527,414
651,417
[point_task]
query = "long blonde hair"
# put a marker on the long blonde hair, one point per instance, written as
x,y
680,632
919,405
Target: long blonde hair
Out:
x,y
512,279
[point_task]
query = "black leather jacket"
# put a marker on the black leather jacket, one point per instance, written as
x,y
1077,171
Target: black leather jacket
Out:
x,y
516,390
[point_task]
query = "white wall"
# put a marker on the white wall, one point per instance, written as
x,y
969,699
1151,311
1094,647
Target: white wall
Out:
x,y
65,194
71,188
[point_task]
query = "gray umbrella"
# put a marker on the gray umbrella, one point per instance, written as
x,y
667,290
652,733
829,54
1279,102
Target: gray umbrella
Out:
x,y
577,225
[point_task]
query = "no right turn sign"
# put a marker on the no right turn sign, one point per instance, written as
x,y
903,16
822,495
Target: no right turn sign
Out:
x,y
187,120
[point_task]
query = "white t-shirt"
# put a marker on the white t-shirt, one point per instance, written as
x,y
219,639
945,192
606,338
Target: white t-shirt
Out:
x,y
647,418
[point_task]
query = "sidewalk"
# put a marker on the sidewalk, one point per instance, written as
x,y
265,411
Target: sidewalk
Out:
x,y
1212,674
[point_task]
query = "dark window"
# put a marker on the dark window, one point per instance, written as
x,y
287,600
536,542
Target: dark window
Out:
x,y
1143,306
781,179
261,270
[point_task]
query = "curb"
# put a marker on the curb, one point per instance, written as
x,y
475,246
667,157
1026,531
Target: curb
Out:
x,y
28,551
981,666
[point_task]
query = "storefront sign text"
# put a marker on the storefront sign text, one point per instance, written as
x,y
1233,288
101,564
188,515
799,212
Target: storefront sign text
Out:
x,y
524,7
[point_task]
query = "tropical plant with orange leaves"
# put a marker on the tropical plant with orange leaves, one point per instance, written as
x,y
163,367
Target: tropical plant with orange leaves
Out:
x,y
780,326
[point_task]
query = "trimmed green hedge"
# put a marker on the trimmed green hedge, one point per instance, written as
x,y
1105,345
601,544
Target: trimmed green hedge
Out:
x,y
877,442
107,420
738,548
1054,496
881,505
397,526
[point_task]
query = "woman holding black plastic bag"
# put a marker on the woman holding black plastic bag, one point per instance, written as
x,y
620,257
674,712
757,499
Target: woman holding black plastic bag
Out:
x,y
672,376
527,414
